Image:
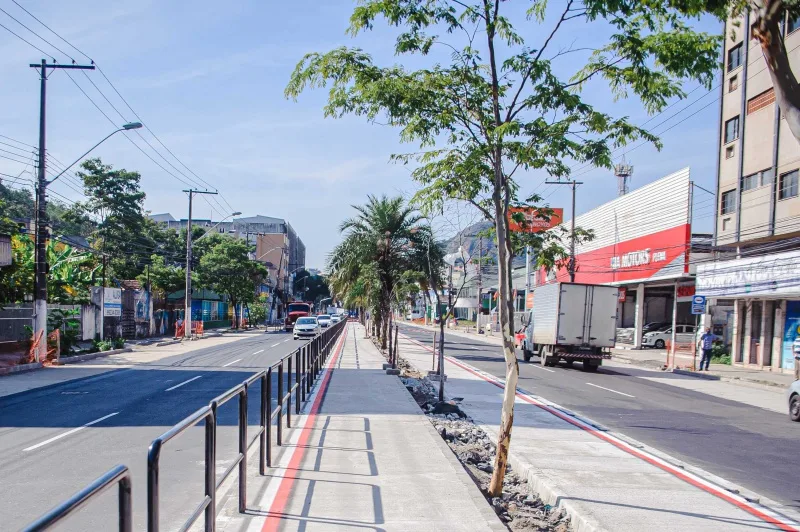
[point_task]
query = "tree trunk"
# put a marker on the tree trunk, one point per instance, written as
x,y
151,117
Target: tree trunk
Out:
x,y
235,315
787,92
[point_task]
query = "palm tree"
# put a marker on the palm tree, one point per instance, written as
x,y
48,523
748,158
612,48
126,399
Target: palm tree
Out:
x,y
382,244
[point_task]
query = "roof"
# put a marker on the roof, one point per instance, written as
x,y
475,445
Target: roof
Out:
x,y
163,217
259,219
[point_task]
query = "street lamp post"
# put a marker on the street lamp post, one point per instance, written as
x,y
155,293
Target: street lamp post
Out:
x,y
40,251
187,300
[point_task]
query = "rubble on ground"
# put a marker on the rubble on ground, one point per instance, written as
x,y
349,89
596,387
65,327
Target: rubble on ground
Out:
x,y
518,508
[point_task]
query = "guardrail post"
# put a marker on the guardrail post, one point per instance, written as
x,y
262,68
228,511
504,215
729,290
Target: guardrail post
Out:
x,y
125,505
268,436
302,367
153,456
394,353
211,468
243,449
289,392
262,464
298,382
280,402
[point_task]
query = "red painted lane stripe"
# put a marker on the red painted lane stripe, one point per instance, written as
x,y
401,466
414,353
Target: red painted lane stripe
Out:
x,y
290,474
616,443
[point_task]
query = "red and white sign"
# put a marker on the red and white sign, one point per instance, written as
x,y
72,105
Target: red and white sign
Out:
x,y
534,222
641,236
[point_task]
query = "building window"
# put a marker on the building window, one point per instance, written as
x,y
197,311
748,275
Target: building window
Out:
x,y
793,24
735,57
788,186
767,177
726,224
765,99
749,182
732,129
729,152
733,83
728,204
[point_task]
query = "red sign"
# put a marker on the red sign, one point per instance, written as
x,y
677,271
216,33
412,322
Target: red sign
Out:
x,y
686,290
622,294
529,300
534,222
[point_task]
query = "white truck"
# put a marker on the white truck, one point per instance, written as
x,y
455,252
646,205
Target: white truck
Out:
x,y
571,321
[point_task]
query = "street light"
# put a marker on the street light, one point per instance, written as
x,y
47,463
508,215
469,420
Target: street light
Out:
x,y
187,296
40,262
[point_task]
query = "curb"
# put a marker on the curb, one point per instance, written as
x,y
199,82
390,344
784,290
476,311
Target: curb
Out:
x,y
751,383
650,364
20,368
91,356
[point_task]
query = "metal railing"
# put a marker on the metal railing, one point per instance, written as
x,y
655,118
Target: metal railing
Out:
x,y
308,359
118,476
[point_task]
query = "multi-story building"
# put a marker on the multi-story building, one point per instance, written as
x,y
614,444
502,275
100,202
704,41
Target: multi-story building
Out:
x,y
757,228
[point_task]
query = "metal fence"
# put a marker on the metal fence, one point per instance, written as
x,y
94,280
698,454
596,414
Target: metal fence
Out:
x,y
307,362
15,318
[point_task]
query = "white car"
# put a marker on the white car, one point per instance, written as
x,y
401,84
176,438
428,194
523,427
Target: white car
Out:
x,y
306,326
324,320
683,334
794,401
335,319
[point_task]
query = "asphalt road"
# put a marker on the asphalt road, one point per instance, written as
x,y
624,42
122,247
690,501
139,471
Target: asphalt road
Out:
x,y
753,447
57,439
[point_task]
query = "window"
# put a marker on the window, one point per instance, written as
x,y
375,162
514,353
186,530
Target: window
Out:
x,y
732,129
728,204
726,224
788,186
729,152
767,177
759,179
794,23
735,57
765,99
733,83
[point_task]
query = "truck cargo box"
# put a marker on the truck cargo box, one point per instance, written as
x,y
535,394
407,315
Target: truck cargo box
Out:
x,y
573,314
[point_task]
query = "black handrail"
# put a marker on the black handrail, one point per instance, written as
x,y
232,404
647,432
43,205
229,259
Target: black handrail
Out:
x,y
119,475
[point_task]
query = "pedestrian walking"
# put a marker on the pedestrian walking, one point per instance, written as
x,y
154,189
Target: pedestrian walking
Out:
x,y
707,343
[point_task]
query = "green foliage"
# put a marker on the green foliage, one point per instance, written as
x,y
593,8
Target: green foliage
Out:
x,y
69,324
164,277
101,345
310,286
258,311
118,343
227,269
720,354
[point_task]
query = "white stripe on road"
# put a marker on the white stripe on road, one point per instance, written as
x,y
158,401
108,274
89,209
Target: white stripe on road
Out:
x,y
286,340
73,431
537,366
275,345
232,363
259,351
181,384
610,390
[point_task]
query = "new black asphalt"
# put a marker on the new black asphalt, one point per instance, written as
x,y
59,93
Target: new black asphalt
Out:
x,y
755,448
42,463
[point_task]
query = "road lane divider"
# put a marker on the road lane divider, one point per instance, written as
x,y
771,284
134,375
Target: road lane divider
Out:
x,y
260,351
231,363
183,383
69,432
765,513
610,390
274,345
543,369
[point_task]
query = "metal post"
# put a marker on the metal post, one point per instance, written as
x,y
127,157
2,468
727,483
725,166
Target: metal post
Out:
x,y
433,359
297,380
153,456
394,360
279,424
262,464
243,449
302,367
268,436
125,504
187,318
40,280
289,393
211,466
574,184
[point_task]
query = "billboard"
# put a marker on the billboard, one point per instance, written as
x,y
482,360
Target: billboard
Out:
x,y
533,223
643,235
112,302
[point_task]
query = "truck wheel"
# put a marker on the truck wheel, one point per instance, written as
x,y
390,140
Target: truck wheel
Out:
x,y
527,355
569,362
590,365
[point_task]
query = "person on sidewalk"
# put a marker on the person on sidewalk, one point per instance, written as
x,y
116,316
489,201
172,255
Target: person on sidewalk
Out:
x,y
707,343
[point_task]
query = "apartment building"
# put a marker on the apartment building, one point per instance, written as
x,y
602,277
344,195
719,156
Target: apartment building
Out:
x,y
754,281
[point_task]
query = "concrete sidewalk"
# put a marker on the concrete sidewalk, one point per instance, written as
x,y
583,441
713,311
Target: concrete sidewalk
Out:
x,y
363,457
603,480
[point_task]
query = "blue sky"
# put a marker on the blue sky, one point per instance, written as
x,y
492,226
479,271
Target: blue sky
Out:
x,y
208,78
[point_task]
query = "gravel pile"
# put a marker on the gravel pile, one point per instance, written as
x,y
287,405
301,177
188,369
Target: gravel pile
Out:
x,y
518,508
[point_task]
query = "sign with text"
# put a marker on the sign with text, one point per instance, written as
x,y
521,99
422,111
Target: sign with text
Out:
x,y
112,302
534,221
698,304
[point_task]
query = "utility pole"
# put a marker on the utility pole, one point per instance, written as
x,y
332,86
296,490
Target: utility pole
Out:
x,y
480,285
187,318
40,251
574,184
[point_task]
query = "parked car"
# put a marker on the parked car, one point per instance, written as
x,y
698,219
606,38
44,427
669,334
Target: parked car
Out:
x,y
655,326
659,339
306,326
335,319
794,401
324,320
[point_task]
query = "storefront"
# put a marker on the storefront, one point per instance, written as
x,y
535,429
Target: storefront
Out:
x,y
760,297
642,243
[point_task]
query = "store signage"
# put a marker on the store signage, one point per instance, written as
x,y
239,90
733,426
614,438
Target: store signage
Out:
x,y
776,274
637,258
622,294
533,222
698,304
112,302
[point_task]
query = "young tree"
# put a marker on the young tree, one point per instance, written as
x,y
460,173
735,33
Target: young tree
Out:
x,y
227,269
164,277
497,107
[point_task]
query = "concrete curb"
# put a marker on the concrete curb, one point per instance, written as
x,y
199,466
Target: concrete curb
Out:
x,y
650,364
167,342
20,368
91,356
751,383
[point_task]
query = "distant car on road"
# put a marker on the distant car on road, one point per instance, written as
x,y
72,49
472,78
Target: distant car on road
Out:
x,y
306,326
658,339
335,319
794,401
324,320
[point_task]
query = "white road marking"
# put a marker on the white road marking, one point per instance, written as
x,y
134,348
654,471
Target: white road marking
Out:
x,y
537,366
286,340
232,363
181,384
73,431
275,345
259,351
610,390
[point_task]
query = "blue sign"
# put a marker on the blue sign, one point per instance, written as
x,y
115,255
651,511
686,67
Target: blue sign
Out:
x,y
791,331
698,304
